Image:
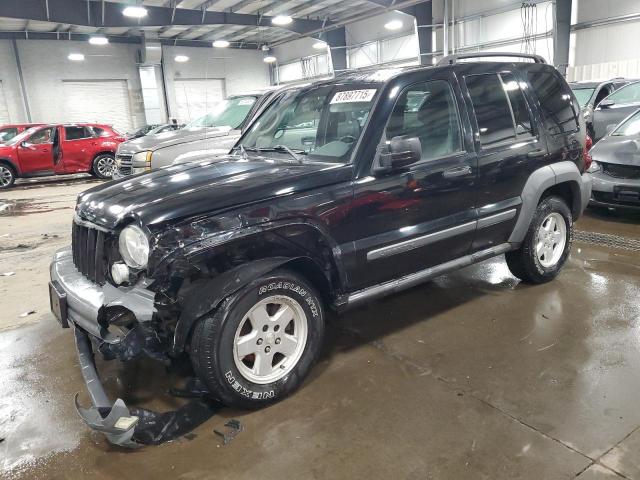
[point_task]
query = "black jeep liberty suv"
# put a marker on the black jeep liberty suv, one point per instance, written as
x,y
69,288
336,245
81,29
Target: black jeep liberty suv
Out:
x,y
339,193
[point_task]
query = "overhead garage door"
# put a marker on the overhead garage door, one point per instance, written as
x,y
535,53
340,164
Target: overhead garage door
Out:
x,y
4,110
99,101
197,97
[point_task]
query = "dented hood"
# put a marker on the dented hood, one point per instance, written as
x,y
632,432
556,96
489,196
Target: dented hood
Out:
x,y
622,150
190,189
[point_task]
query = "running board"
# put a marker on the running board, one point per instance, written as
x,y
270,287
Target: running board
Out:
x,y
413,279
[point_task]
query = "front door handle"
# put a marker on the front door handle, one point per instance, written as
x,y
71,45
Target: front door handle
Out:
x,y
541,152
457,172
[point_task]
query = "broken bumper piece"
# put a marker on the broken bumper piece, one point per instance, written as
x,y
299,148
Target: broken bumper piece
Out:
x,y
114,420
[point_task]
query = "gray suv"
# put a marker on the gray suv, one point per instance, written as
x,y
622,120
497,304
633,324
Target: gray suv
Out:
x,y
212,134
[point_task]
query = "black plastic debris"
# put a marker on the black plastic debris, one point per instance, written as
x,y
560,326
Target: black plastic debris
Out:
x,y
154,428
235,427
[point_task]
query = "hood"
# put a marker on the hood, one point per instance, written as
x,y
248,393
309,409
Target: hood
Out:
x,y
218,146
618,149
168,139
182,191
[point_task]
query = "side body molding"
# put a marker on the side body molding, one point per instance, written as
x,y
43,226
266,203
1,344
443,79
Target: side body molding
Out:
x,y
544,178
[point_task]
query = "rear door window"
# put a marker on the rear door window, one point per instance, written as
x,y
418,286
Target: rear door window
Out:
x,y
555,100
500,108
77,133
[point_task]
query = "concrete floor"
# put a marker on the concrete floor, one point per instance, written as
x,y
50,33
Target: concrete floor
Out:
x,y
470,376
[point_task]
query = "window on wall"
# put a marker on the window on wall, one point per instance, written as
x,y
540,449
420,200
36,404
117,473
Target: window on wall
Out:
x,y
500,108
555,100
305,68
427,111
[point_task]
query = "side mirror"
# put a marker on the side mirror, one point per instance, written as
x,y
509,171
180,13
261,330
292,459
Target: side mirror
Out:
x,y
401,153
26,144
606,103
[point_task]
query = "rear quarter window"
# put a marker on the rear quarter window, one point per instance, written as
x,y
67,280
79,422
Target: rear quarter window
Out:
x,y
556,101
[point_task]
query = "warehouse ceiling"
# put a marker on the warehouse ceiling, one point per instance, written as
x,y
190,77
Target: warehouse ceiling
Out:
x,y
242,22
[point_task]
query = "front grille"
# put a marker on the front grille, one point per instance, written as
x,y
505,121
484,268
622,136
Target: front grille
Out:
x,y
125,163
621,171
88,247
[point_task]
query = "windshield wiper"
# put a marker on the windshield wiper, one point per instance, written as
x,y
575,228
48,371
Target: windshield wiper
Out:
x,y
284,148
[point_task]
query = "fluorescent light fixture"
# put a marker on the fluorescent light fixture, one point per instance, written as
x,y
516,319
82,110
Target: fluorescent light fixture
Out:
x,y
76,57
181,58
135,12
281,20
393,25
221,44
320,45
98,40
269,59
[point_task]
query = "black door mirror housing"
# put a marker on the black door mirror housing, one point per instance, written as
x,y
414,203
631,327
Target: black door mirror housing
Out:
x,y
401,152
606,103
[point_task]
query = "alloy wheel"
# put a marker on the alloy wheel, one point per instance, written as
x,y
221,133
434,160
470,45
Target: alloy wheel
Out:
x,y
551,240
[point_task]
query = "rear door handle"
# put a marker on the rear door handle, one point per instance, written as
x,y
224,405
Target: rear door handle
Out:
x,y
457,172
541,152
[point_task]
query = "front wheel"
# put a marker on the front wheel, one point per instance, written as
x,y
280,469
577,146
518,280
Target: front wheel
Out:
x,y
104,166
546,246
259,345
7,176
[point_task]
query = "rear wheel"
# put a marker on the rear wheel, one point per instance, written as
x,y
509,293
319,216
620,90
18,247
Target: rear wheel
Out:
x,y
546,246
104,165
259,345
7,176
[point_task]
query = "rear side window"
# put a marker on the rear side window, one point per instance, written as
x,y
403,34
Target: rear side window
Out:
x,y
555,100
500,108
76,133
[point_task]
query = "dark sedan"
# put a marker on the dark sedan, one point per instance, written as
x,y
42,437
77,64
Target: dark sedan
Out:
x,y
616,167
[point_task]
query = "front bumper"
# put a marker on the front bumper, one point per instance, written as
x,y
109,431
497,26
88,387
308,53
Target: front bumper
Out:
x,y
606,192
86,302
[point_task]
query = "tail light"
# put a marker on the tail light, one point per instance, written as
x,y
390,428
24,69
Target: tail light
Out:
x,y
588,159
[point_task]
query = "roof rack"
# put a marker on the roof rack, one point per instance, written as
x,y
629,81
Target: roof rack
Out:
x,y
453,59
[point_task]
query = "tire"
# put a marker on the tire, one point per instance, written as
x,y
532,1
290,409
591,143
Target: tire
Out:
x,y
7,176
102,164
236,378
527,263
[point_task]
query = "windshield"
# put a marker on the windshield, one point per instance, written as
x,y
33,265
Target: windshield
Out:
x,y
631,126
22,136
627,94
229,113
323,122
583,95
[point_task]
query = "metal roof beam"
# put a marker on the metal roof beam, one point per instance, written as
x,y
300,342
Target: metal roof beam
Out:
x,y
75,12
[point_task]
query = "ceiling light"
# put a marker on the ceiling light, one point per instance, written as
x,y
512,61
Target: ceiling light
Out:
x,y
320,45
181,58
393,25
76,57
269,59
221,44
98,40
281,20
135,12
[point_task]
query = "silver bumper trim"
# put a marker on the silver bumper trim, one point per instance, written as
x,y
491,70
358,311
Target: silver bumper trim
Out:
x,y
85,299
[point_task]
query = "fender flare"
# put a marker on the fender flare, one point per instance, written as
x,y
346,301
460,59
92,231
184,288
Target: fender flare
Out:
x,y
209,294
541,180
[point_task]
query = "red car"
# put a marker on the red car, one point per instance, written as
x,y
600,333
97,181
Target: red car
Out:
x,y
8,131
59,150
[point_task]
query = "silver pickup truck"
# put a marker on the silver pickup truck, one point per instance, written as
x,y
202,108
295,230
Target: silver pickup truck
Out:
x,y
212,134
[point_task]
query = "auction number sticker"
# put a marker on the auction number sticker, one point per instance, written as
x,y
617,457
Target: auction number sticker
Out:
x,y
350,96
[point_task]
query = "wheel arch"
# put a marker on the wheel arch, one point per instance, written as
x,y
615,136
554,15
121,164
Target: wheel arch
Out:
x,y
310,255
10,163
562,179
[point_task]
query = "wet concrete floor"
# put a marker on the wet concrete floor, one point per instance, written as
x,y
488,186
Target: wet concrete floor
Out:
x,y
471,376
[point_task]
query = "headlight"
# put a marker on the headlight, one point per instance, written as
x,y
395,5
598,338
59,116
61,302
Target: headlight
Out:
x,y
142,160
594,167
134,246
